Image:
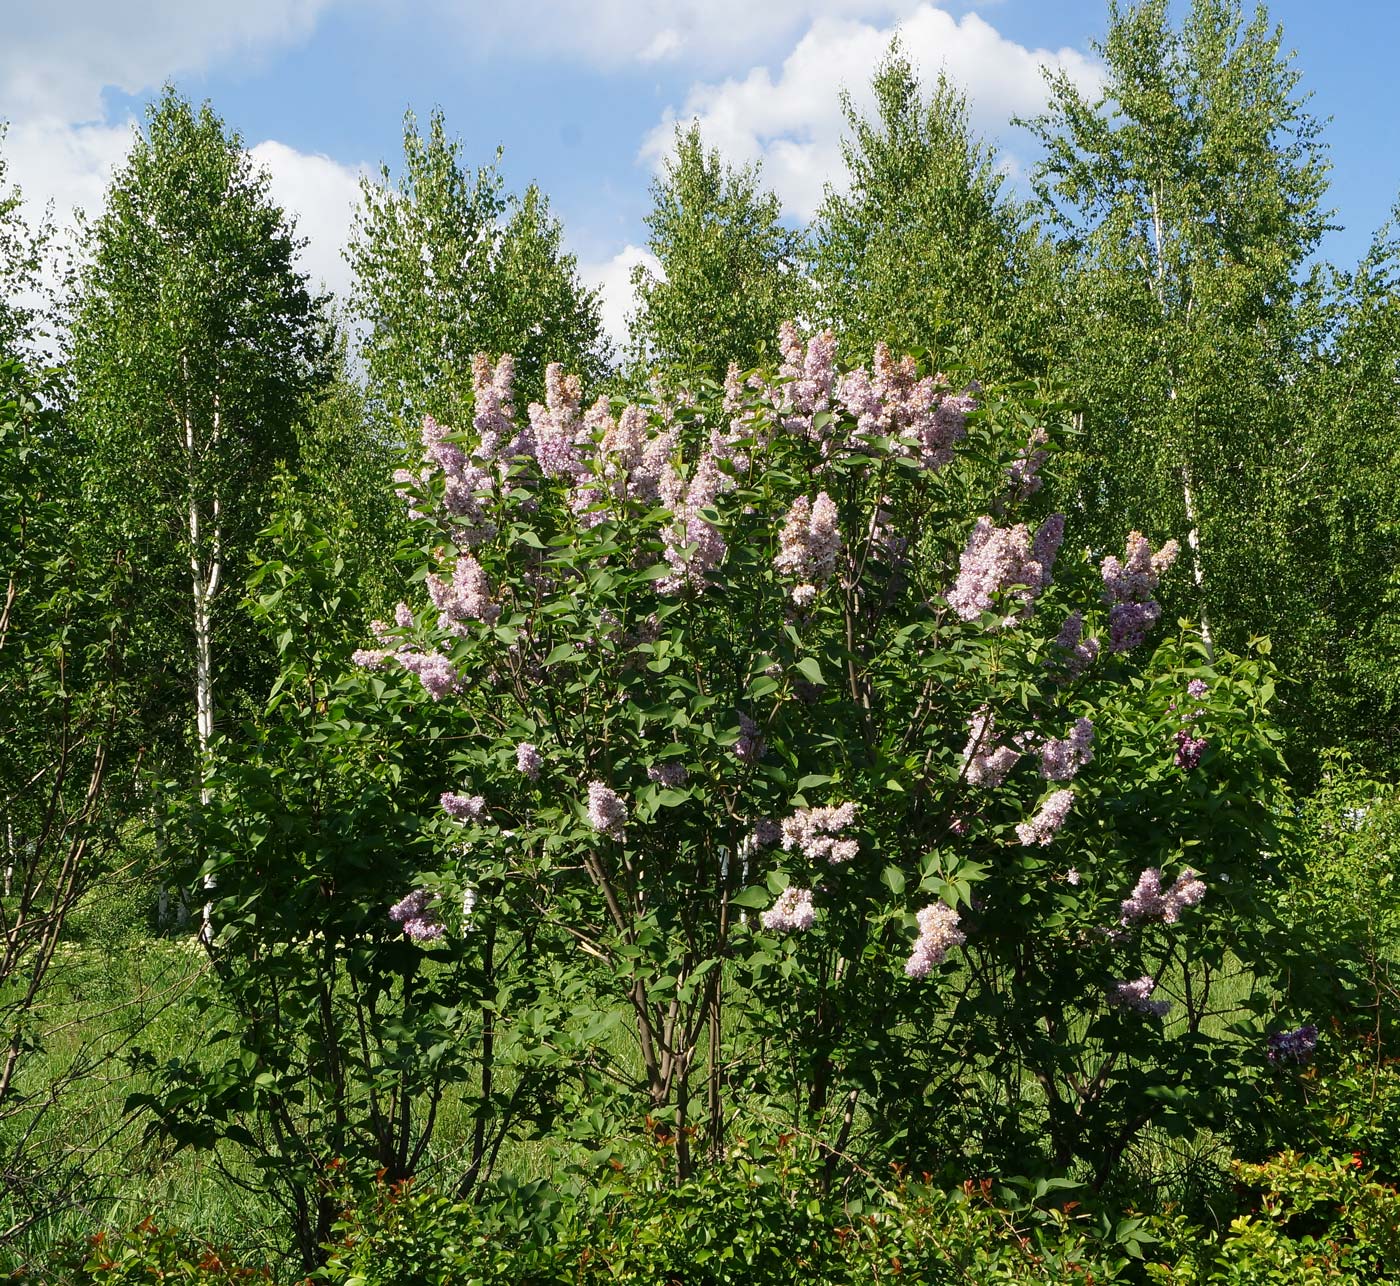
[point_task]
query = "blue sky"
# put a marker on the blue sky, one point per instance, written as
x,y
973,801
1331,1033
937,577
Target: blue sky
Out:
x,y
582,95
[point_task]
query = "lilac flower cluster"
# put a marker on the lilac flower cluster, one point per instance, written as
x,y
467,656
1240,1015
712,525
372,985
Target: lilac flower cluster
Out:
x,y
466,597
793,911
1128,589
434,669
1024,471
557,427
985,763
1002,558
815,833
693,547
493,401
938,934
462,808
1189,749
1292,1046
891,401
1045,825
607,813
670,773
810,541
805,378
417,916
1077,653
750,746
1135,994
528,761
1149,901
1061,759
1197,688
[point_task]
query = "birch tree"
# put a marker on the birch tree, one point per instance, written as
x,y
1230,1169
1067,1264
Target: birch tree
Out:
x,y
1187,194
194,341
923,246
729,271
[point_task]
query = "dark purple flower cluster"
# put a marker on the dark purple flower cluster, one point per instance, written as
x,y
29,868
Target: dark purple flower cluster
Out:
x,y
417,916
1293,1046
1189,749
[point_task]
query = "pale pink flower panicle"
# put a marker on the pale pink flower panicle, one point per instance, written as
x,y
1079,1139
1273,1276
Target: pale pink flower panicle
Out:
x,y
890,400
817,833
1129,587
417,916
1045,825
1061,759
792,912
805,378
693,546
466,597
528,761
938,934
985,763
998,559
462,808
1136,994
810,541
1150,901
607,813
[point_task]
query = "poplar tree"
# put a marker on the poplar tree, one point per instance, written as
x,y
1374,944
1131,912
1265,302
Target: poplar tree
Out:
x,y
194,342
730,272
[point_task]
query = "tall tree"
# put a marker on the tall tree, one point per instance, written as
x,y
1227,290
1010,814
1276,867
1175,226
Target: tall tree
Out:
x,y
730,272
194,342
1343,644
21,255
1188,198
447,266
924,247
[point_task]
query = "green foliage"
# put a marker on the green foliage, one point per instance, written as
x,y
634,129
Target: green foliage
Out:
x,y
21,255
151,1254
729,271
925,247
445,267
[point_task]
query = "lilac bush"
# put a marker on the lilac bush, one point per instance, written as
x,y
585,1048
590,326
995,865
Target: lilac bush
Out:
x,y
849,774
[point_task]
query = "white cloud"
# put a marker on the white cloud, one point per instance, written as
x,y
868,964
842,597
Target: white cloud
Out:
x,y
322,194
793,124
57,57
614,279
714,34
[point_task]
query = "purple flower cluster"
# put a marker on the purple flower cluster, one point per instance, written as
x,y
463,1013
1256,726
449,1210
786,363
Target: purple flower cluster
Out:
x,y
1002,558
1077,653
417,916
793,911
815,833
466,597
493,400
891,401
1061,759
1149,901
1135,994
528,761
1129,587
434,669
938,934
1024,471
985,763
805,378
810,541
1189,749
1045,825
607,814
692,546
1197,688
1292,1046
750,746
462,808
670,773
557,426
